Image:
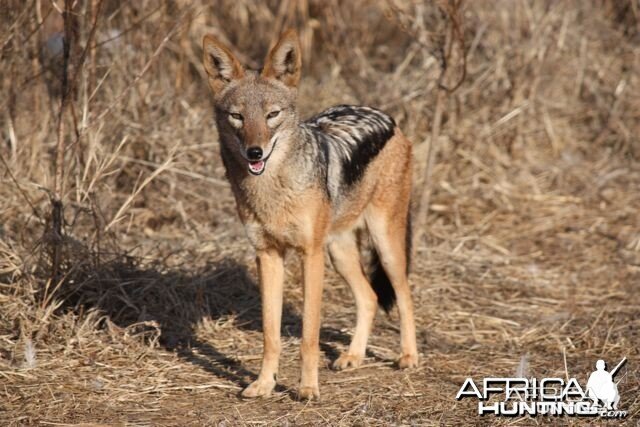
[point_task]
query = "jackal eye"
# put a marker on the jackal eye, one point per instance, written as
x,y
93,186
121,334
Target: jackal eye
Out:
x,y
273,114
236,116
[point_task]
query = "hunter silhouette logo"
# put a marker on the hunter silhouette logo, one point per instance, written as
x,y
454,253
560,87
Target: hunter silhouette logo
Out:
x,y
549,396
601,387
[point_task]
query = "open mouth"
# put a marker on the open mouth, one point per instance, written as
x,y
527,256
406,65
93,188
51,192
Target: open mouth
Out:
x,y
256,168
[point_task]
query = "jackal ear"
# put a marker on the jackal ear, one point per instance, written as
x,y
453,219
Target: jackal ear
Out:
x,y
220,64
284,61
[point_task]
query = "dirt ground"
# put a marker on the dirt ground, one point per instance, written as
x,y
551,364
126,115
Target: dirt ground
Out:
x,y
530,265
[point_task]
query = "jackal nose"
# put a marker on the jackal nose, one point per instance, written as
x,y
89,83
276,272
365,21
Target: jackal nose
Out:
x,y
254,153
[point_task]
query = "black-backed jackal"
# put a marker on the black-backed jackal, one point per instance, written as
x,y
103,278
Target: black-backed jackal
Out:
x,y
341,179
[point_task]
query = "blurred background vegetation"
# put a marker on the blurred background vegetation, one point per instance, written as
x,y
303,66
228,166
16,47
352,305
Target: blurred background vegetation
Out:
x,y
110,176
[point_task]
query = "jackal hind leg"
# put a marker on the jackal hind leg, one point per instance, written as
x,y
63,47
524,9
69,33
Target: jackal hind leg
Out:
x,y
345,257
389,237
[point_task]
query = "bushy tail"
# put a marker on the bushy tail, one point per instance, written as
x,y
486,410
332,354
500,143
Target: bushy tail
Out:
x,y
381,284
378,278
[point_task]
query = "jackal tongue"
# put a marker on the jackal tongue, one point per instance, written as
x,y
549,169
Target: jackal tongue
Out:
x,y
256,166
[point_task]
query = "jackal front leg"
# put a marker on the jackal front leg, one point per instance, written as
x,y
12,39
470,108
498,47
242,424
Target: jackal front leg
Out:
x,y
310,348
271,270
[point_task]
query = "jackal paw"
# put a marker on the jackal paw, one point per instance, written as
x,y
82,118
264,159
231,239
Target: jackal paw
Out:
x,y
347,360
308,392
408,361
259,388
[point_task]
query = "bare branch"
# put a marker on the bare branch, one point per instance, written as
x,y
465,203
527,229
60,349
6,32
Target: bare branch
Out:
x,y
454,34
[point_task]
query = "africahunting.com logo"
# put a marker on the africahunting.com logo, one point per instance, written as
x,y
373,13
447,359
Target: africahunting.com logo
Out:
x,y
548,396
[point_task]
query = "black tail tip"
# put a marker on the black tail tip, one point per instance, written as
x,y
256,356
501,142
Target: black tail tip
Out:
x,y
380,282
382,286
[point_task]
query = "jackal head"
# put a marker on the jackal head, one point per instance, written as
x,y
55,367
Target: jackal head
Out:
x,y
255,111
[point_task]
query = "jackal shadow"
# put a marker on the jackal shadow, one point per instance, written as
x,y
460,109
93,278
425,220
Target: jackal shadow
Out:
x,y
138,297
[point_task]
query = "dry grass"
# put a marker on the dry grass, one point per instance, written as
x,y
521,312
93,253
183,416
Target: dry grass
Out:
x,y
531,258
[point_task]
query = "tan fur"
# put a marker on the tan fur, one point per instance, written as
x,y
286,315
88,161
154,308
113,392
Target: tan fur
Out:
x,y
345,258
277,216
214,51
272,69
